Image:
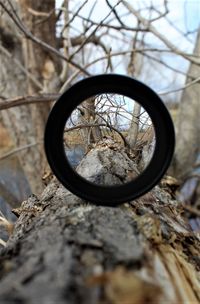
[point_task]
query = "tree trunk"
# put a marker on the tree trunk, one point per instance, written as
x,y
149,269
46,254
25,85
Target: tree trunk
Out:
x,y
134,128
65,250
187,126
26,124
88,115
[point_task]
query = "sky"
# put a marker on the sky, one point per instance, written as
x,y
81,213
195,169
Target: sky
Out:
x,y
185,16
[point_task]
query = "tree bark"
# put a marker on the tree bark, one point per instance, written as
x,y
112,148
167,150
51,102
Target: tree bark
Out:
x,y
187,126
26,124
66,250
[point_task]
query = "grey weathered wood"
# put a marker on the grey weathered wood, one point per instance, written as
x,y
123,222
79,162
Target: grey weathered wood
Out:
x,y
65,250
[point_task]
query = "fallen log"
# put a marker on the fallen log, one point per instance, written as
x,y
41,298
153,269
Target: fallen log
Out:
x,y
66,250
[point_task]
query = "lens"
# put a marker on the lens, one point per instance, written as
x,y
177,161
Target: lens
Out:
x,y
109,139
119,157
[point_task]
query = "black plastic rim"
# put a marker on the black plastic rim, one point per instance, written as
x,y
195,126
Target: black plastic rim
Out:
x,y
164,131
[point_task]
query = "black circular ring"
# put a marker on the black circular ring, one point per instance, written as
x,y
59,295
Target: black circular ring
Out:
x,y
163,152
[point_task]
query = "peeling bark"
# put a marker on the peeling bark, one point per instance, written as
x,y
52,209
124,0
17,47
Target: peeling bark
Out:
x,y
66,250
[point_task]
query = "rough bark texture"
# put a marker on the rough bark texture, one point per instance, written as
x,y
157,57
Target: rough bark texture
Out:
x,y
188,127
26,124
65,250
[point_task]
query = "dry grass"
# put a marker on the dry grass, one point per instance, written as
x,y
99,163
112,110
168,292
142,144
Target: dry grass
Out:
x,y
74,137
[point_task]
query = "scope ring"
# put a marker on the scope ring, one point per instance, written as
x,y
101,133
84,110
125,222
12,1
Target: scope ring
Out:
x,y
163,126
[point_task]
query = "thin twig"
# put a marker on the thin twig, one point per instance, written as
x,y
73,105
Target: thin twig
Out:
x,y
19,149
187,85
74,16
153,30
115,13
24,100
114,27
94,31
191,209
165,64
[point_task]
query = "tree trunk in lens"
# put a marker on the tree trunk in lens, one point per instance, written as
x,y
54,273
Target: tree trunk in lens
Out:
x,y
26,124
66,250
134,128
88,116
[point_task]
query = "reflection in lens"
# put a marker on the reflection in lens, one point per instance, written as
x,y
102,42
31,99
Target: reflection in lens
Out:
x,y
107,130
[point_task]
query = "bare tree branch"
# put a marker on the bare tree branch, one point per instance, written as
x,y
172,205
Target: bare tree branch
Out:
x,y
165,64
115,13
74,16
182,88
152,29
19,149
94,31
114,27
79,40
24,100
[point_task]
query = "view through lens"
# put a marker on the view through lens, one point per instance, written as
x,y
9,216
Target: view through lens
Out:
x,y
110,138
